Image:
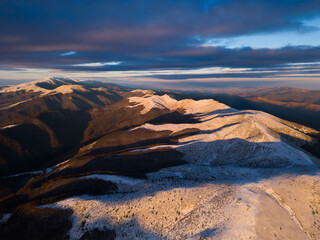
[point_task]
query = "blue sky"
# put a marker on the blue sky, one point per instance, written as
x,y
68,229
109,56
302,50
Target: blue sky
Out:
x,y
278,39
162,41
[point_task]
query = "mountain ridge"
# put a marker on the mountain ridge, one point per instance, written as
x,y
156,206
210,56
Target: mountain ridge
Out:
x,y
145,165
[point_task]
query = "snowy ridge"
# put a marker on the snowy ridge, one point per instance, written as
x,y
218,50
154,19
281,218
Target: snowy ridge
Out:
x,y
166,102
246,177
47,86
189,207
228,136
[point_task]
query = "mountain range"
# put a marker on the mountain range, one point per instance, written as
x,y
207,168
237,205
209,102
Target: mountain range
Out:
x,y
293,104
91,160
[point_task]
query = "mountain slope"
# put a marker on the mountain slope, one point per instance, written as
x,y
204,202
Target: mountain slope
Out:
x,y
293,104
148,166
21,101
226,131
41,120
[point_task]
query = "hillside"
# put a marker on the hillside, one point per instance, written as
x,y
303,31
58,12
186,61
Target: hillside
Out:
x,y
293,104
143,165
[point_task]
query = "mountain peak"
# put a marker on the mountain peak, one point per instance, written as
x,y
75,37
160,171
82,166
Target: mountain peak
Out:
x,y
151,100
47,86
54,82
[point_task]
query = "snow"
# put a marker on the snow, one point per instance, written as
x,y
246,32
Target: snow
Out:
x,y
192,205
70,89
228,136
166,102
237,184
234,186
47,171
140,150
143,91
207,173
24,173
214,115
68,86
5,217
162,212
9,126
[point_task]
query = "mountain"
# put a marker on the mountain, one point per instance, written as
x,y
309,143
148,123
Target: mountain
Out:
x,y
290,97
140,164
43,119
50,94
293,104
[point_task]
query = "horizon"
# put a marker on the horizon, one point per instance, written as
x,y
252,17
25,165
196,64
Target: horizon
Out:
x,y
163,44
188,86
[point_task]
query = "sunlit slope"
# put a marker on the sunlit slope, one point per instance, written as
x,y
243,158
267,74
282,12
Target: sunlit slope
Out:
x,y
148,166
229,136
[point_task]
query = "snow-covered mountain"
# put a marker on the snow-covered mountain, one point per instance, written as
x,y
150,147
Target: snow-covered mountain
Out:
x,y
143,165
230,137
56,85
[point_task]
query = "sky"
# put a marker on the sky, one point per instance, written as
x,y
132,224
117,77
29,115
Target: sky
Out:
x,y
166,43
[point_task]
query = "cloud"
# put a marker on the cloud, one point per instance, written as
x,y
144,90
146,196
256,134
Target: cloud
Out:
x,y
146,35
96,64
67,54
192,57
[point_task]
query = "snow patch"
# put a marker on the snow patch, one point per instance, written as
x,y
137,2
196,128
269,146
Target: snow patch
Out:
x,y
46,171
140,150
9,126
5,217
70,89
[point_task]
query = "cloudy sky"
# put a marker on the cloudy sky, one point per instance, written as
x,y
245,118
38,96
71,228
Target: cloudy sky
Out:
x,y
164,42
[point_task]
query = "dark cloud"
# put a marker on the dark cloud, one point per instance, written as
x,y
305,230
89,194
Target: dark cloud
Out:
x,y
145,34
188,58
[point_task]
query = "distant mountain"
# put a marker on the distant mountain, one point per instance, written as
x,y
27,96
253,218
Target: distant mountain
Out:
x,y
294,104
50,94
165,168
41,119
